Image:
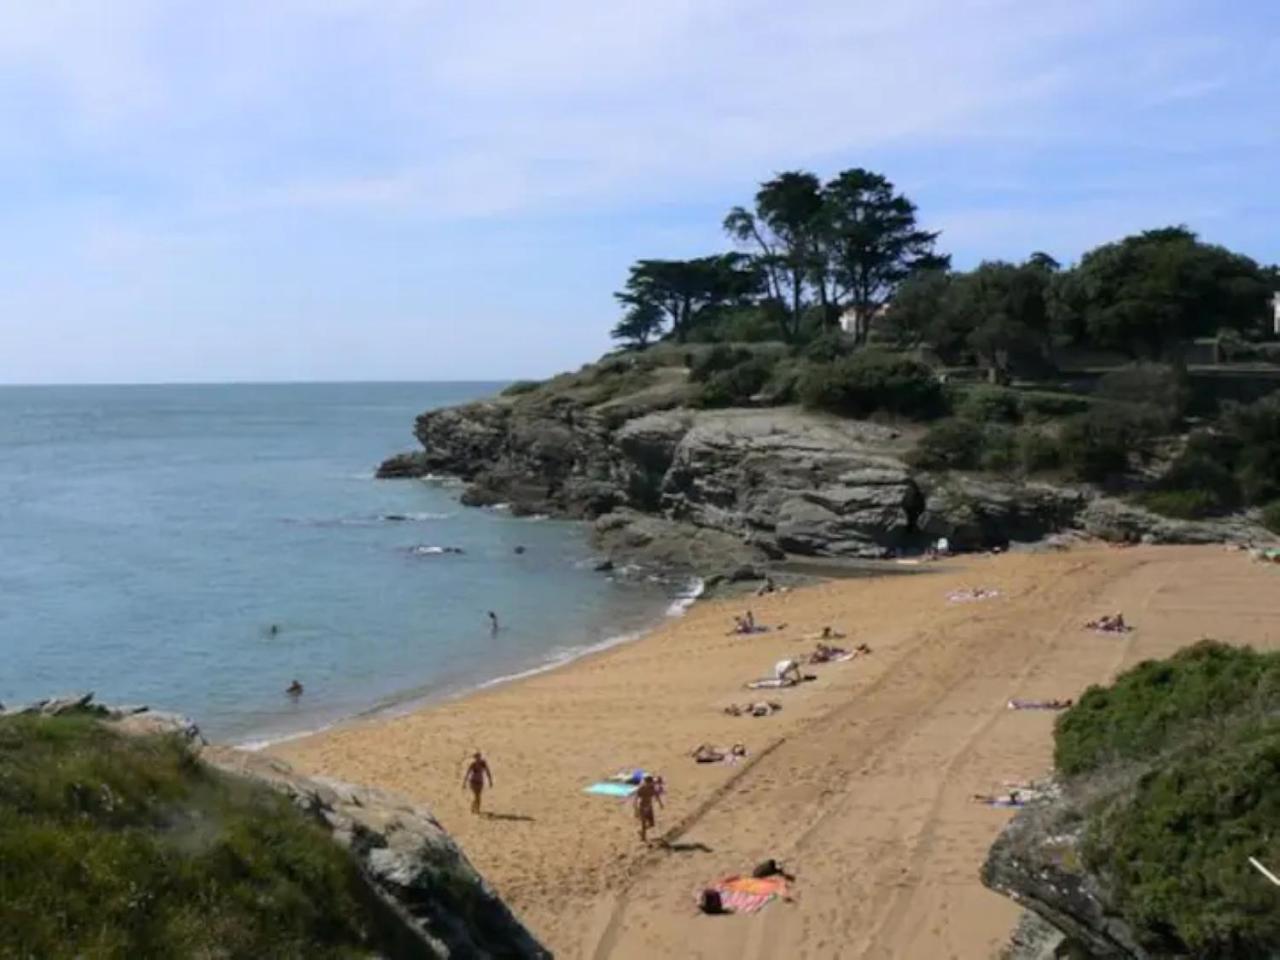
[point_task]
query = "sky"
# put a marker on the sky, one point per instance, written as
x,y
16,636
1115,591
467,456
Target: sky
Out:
x,y
423,189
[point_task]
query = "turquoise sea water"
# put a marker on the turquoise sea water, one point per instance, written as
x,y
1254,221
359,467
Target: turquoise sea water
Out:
x,y
150,536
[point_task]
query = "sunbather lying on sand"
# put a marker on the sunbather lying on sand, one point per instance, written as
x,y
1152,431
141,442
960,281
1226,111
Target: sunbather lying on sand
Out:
x,y
706,753
972,593
1014,798
1109,623
761,709
1016,704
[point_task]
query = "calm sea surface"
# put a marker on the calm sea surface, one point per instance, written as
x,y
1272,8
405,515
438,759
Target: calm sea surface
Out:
x,y
151,536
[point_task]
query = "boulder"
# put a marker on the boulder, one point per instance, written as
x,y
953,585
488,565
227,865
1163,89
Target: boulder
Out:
x,y
433,902
1036,861
1110,519
977,513
146,722
402,466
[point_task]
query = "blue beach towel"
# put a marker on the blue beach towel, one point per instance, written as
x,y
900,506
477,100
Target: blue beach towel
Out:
x,y
607,789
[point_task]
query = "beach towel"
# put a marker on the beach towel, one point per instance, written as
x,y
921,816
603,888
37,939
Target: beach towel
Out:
x,y
769,683
1017,704
748,894
606,789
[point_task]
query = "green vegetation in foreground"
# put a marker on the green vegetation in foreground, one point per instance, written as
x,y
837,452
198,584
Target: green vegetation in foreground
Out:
x,y
130,847
1182,758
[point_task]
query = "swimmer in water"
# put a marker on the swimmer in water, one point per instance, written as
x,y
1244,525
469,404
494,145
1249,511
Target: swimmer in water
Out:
x,y
294,689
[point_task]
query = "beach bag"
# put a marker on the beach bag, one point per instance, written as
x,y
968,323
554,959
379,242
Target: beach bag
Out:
x,y
710,902
769,868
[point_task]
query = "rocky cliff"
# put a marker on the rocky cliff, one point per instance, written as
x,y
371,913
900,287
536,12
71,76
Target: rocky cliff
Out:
x,y
618,441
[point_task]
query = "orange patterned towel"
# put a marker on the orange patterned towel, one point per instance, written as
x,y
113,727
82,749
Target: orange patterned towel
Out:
x,y
749,894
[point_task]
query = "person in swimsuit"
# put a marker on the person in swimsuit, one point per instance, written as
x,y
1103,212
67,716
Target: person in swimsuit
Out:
x,y
643,800
477,772
493,623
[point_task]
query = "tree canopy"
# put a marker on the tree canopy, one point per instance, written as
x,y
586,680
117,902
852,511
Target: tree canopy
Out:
x,y
683,289
1145,294
875,243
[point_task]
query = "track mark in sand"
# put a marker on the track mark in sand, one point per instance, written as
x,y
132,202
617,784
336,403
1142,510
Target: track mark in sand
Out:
x,y
923,843
609,935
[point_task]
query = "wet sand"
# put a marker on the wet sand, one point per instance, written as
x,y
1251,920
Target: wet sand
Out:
x,y
860,785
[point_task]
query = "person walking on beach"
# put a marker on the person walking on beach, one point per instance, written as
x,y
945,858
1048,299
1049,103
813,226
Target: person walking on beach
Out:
x,y
477,772
643,800
493,622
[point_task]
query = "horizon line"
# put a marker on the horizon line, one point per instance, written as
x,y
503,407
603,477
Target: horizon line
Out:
x,y
242,383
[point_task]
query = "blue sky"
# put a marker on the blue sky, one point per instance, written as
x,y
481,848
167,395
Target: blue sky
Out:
x,y
420,189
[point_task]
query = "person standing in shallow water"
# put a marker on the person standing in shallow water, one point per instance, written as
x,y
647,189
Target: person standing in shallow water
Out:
x,y
477,772
493,622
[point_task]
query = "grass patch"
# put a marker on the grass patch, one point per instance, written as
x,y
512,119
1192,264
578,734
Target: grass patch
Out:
x,y
130,847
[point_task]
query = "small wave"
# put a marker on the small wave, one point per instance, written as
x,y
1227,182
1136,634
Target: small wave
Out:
x,y
414,517
686,598
500,507
560,658
262,743
430,550
441,480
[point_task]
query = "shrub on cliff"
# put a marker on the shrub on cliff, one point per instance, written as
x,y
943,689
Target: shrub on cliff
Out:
x,y
1181,760
735,386
872,381
129,847
990,404
1271,516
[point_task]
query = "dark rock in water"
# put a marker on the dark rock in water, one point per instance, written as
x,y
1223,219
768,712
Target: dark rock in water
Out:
x,y
604,566
396,517
429,892
402,466
518,550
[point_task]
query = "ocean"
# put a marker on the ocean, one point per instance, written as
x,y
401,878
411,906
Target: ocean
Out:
x,y
196,548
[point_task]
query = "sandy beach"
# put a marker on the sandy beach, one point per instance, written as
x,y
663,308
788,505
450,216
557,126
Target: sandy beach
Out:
x,y
860,785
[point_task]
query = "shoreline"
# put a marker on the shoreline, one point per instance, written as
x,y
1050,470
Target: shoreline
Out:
x,y
861,784
410,703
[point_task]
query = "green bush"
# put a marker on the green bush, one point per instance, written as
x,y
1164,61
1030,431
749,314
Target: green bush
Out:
x,y
129,847
990,404
1180,760
1040,405
521,387
721,357
1271,516
828,346
951,444
1160,390
999,448
1095,446
736,385
1158,703
1038,451
870,381
1255,428
1175,851
1180,504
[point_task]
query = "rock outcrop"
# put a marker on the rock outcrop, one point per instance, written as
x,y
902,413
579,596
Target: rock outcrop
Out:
x,y
614,437
429,894
1036,861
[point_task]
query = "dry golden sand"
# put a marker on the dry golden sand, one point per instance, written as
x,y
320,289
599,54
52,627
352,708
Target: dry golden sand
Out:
x,y
860,785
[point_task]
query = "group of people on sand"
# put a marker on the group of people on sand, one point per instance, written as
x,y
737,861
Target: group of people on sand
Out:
x,y
1109,623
